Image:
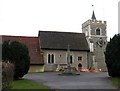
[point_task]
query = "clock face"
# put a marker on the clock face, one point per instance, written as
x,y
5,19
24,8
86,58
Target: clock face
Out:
x,y
100,42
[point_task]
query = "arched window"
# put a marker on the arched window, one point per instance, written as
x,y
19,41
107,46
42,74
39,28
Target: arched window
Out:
x,y
52,59
48,58
79,65
91,47
98,31
71,59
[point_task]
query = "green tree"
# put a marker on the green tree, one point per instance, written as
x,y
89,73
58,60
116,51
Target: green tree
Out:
x,y
18,54
5,51
112,56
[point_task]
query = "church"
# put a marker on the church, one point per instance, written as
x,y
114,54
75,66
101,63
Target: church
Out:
x,y
48,51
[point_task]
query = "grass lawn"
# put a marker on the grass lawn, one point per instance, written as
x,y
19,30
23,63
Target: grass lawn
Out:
x,y
116,81
27,84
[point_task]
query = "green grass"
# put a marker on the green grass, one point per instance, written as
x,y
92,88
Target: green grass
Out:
x,y
27,84
116,81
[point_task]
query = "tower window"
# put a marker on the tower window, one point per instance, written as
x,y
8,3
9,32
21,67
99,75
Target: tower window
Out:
x,y
97,31
86,33
91,47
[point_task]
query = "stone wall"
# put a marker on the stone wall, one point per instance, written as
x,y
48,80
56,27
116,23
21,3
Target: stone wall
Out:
x,y
61,59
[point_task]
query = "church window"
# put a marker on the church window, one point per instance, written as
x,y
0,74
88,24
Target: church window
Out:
x,y
60,55
91,47
98,31
50,58
86,33
71,59
79,58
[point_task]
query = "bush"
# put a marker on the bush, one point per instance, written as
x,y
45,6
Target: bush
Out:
x,y
7,75
112,56
18,54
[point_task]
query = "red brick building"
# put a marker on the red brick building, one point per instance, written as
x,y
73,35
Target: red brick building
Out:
x,y
36,57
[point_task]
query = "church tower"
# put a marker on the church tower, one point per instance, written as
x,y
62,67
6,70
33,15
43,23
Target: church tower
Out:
x,y
95,32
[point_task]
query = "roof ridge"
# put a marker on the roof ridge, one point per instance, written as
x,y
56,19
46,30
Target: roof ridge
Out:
x,y
62,32
20,36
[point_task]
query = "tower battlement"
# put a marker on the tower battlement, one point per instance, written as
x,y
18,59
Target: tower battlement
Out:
x,y
90,21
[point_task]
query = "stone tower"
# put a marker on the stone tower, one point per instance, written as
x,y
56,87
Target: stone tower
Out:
x,y
95,31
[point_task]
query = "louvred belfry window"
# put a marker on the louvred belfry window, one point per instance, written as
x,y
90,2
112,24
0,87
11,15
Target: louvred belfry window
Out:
x,y
97,31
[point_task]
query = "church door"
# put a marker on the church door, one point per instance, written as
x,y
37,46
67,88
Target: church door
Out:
x,y
79,67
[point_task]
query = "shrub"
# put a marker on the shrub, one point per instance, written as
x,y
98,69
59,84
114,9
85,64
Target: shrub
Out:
x,y
112,56
18,54
7,75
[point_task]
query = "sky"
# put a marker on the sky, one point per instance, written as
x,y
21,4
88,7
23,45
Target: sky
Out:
x,y
27,17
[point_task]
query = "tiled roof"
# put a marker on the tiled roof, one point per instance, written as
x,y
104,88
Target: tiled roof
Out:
x,y
33,45
60,40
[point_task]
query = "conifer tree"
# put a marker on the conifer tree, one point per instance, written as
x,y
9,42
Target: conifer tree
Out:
x,y
112,56
18,54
